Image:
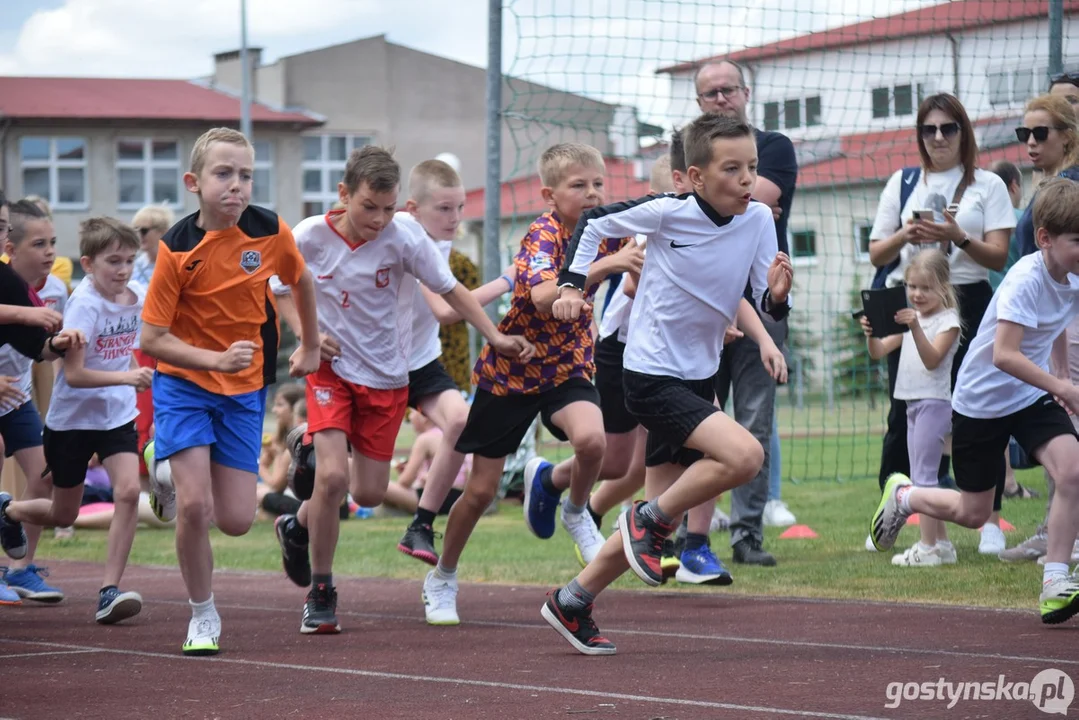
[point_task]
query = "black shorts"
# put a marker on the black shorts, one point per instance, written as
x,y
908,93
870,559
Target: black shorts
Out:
x,y
498,423
978,445
21,428
431,379
670,409
612,398
68,452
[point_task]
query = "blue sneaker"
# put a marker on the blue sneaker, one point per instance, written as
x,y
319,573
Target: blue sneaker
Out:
x,y
12,536
702,567
540,507
7,595
29,585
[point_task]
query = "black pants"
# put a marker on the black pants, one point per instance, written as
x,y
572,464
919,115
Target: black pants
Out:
x,y
973,302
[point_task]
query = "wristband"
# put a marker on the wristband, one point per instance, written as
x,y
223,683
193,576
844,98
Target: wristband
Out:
x,y
964,242
54,349
508,281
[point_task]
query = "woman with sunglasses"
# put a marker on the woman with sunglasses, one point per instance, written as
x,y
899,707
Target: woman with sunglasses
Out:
x,y
1049,131
966,213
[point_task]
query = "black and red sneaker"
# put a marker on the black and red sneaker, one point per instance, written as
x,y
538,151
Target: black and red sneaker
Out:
x,y
419,542
642,542
320,611
576,626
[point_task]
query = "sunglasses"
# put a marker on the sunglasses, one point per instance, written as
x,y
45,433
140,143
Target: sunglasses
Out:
x,y
1069,78
1040,133
948,130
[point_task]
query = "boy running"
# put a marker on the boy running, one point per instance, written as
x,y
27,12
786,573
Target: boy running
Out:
x,y
210,321
555,384
1004,389
361,256
703,248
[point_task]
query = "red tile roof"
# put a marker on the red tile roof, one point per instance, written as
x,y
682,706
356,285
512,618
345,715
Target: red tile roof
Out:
x,y
935,20
42,98
521,196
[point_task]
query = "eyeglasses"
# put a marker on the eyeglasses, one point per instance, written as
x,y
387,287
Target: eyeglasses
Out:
x,y
1040,133
948,130
726,92
1069,78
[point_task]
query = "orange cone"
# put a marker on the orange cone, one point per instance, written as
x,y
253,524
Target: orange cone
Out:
x,y
798,532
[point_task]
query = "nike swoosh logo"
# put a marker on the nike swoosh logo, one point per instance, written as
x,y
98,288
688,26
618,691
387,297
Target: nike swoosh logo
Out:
x,y
571,626
908,179
676,245
636,531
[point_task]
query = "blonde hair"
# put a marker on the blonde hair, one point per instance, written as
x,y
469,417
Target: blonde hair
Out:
x,y
1063,117
97,235
934,265
661,180
41,203
431,174
208,138
556,161
154,217
1056,208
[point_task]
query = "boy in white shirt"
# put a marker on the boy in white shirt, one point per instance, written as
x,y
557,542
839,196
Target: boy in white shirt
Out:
x,y
93,408
1005,390
360,257
703,248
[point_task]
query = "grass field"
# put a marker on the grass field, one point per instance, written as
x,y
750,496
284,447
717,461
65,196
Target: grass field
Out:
x,y
834,565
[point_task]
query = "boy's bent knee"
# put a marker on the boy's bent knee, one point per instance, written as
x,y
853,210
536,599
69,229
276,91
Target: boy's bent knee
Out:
x,y
590,445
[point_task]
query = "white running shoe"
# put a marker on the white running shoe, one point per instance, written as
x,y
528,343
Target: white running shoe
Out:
x,y
917,556
992,542
947,554
889,518
203,635
1075,554
162,492
584,532
777,514
869,544
440,600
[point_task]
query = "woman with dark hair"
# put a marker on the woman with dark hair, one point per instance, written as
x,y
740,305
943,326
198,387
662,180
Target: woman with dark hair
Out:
x,y
963,211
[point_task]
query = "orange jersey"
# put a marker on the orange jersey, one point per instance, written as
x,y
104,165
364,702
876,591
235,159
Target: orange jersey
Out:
x,y
211,289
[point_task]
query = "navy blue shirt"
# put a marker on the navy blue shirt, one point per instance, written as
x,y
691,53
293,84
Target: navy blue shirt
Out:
x,y
1024,230
777,162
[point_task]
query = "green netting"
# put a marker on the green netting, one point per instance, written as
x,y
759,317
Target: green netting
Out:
x,y
843,80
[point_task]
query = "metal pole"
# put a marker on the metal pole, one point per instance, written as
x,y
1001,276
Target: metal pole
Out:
x,y
1056,33
492,195
245,70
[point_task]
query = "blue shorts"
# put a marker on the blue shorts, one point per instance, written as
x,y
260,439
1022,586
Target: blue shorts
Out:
x,y
187,416
21,429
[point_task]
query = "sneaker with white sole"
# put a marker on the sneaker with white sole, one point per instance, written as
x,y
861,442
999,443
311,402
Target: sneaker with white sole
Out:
x,y
203,636
162,492
721,521
582,528
114,605
917,555
440,600
1059,600
1033,548
777,514
947,553
889,518
992,542
1074,558
869,544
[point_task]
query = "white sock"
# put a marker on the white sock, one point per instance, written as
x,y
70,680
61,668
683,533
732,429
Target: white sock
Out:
x,y
443,574
946,544
1054,571
903,496
926,548
204,609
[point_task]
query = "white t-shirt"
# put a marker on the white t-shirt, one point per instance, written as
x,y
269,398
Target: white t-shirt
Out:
x,y
616,317
53,293
111,331
985,206
1028,296
697,269
15,364
425,343
914,381
358,294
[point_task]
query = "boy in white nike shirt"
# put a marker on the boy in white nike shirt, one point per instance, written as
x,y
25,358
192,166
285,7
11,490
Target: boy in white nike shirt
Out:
x,y
360,256
1004,389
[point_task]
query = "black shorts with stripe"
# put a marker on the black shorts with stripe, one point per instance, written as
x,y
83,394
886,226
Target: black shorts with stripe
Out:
x,y
670,409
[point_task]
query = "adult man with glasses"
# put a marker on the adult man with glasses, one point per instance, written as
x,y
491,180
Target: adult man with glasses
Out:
x,y
721,88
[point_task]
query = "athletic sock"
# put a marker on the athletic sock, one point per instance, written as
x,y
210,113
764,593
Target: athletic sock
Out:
x,y
424,517
903,497
547,482
443,573
651,513
571,509
1054,571
319,579
695,541
596,517
204,609
574,597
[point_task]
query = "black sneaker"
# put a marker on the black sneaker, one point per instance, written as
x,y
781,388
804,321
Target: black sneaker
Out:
x,y
419,542
114,605
576,626
293,550
12,536
748,551
642,542
301,471
320,611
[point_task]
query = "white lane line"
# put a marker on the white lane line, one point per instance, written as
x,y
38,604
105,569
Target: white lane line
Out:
x,y
50,652
594,694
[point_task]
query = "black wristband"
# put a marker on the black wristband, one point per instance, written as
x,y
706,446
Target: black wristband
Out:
x,y
55,350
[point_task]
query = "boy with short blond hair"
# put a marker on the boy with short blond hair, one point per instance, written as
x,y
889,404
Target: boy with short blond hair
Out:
x,y
1004,390
210,321
362,256
555,384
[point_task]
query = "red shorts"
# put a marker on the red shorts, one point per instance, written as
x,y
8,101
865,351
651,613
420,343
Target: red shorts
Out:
x,y
369,417
144,401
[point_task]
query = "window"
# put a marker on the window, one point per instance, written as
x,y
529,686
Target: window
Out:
x,y
904,100
55,169
898,100
148,171
1015,87
813,113
771,116
792,113
324,158
803,244
881,106
262,191
861,240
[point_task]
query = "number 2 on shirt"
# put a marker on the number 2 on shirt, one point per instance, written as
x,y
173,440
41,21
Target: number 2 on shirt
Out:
x,y
344,299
